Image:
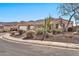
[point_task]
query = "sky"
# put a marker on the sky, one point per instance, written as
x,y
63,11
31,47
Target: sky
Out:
x,y
27,11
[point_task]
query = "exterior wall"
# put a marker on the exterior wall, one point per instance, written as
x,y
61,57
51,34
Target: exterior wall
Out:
x,y
61,24
32,27
23,28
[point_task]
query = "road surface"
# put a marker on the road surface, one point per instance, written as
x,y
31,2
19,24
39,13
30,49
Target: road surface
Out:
x,y
17,49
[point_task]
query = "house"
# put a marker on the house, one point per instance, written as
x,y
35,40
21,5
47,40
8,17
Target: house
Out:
x,y
56,23
9,26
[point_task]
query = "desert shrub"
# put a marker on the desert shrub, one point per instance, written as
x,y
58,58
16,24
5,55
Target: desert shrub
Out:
x,y
13,29
57,31
6,31
12,33
39,31
30,34
49,31
54,32
21,32
47,35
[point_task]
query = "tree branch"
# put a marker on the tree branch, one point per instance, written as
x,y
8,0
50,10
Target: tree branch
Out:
x,y
70,19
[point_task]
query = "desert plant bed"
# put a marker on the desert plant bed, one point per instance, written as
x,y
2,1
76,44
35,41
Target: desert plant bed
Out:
x,y
65,38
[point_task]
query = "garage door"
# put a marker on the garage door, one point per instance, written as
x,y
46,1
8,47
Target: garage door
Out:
x,y
23,28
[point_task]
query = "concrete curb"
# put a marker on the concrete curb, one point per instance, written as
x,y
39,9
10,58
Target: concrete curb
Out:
x,y
7,37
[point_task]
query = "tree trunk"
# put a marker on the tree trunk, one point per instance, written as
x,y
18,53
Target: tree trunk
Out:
x,y
69,21
75,26
44,33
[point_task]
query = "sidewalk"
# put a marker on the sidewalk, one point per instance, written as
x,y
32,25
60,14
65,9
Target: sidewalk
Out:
x,y
48,43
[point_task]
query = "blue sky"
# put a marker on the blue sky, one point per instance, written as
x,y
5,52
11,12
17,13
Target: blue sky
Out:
x,y
27,11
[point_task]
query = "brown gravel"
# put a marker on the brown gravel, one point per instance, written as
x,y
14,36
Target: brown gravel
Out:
x,y
65,38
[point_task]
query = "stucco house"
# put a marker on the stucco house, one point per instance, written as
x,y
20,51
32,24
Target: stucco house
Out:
x,y
56,23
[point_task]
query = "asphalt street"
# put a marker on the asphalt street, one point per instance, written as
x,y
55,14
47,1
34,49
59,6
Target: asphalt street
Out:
x,y
17,49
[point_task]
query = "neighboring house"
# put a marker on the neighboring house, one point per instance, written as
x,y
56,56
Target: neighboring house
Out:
x,y
9,27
